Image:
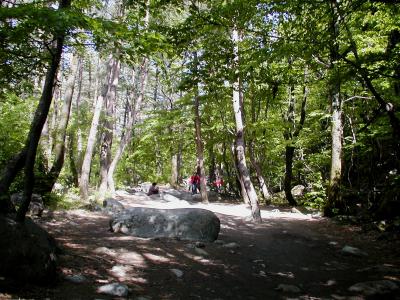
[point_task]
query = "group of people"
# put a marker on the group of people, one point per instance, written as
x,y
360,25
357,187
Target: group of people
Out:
x,y
194,183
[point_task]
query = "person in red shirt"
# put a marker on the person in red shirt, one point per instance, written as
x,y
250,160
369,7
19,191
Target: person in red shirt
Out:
x,y
219,182
195,182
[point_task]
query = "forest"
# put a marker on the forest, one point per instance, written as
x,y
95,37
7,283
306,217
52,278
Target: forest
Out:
x,y
104,95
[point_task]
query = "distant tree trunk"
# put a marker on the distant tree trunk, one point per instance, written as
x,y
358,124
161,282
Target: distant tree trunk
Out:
x,y
87,159
134,110
239,143
289,149
174,169
212,170
106,144
59,149
72,160
253,159
260,177
39,120
335,201
199,140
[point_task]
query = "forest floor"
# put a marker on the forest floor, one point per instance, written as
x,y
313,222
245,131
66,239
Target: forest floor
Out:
x,y
288,256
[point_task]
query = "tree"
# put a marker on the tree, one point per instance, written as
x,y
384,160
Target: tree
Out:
x,y
40,117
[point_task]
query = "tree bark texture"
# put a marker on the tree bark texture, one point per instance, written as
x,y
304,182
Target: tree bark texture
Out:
x,y
87,159
106,143
261,181
239,142
134,111
289,149
39,120
335,201
59,149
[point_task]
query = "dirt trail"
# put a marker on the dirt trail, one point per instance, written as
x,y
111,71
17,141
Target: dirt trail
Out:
x,y
287,248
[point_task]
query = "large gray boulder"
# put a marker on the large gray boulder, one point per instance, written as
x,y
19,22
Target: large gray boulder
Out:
x,y
185,223
27,252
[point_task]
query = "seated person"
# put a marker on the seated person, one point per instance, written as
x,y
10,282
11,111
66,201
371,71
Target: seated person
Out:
x,y
153,189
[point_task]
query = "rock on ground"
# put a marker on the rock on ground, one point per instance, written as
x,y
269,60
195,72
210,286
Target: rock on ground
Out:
x,y
114,289
27,252
186,223
112,205
374,288
36,205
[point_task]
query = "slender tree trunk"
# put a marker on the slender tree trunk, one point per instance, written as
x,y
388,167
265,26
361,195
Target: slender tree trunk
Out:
x,y
211,170
39,120
59,149
87,159
287,182
199,141
72,160
239,143
105,152
289,149
335,201
260,177
135,109
174,169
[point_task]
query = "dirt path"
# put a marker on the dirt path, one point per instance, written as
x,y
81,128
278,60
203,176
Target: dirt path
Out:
x,y
287,248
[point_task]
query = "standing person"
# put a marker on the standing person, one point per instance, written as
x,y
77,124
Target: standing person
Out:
x,y
195,181
153,189
219,182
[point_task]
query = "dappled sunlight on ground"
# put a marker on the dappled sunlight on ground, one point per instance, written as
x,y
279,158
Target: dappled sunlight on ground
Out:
x,y
248,261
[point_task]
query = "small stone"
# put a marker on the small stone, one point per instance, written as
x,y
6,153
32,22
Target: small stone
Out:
x,y
288,288
294,210
78,278
275,210
262,273
201,252
120,270
114,289
372,288
353,251
232,245
200,245
219,242
190,246
330,282
333,243
142,298
178,273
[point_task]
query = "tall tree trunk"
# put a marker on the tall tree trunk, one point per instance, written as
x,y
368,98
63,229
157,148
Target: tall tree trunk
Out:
x,y
199,140
72,160
59,149
134,111
106,144
39,120
239,143
289,149
212,168
174,168
335,201
87,159
260,177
